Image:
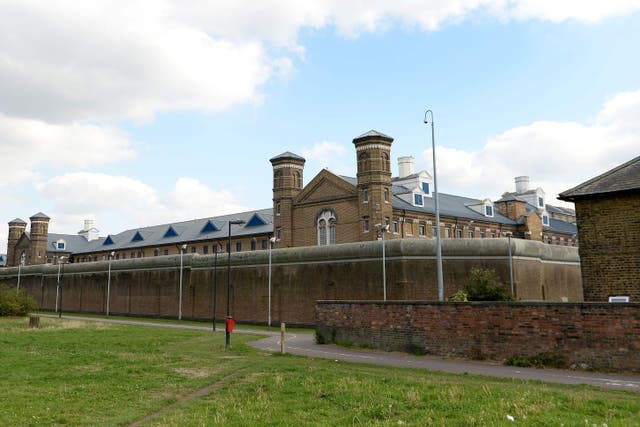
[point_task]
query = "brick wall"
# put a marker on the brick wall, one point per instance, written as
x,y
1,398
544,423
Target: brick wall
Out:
x,y
609,230
603,336
300,277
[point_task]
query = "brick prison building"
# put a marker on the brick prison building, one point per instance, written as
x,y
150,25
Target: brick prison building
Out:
x,y
608,220
330,209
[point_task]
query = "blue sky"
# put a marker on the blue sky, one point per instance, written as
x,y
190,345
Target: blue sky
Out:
x,y
161,111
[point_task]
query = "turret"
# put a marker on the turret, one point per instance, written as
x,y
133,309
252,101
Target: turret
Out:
x,y
38,235
373,150
287,184
16,230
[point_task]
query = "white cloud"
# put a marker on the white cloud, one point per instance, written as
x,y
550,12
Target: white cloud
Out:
x,y
327,154
556,155
28,144
79,196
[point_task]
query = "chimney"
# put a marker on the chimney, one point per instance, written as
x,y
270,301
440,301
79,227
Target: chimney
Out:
x,y
88,224
405,166
522,184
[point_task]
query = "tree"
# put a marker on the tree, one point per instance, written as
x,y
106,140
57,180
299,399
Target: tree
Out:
x,y
483,285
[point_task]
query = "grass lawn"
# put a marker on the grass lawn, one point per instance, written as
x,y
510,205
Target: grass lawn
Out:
x,y
71,372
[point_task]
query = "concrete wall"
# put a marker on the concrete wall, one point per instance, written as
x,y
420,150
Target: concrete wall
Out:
x,y
602,335
300,277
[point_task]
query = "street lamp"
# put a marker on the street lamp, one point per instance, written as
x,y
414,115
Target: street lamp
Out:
x,y
272,240
111,255
435,196
383,230
22,258
513,292
215,282
228,337
60,284
182,249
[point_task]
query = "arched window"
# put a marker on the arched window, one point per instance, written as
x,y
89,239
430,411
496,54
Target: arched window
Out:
x,y
277,176
297,181
326,228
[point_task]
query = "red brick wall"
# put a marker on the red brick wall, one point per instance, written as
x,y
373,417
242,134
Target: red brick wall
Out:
x,y
604,336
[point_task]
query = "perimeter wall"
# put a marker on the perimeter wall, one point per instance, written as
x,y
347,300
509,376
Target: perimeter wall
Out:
x,y
300,277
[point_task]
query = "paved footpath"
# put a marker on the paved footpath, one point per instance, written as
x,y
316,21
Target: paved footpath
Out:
x,y
304,345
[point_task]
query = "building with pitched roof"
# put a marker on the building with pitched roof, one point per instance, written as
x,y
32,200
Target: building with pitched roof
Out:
x,y
608,219
330,209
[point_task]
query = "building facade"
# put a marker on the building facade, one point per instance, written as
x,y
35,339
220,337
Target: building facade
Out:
x,y
330,209
608,219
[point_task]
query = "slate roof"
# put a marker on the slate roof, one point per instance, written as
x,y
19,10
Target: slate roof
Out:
x,y
372,134
625,177
257,222
18,221
39,215
287,155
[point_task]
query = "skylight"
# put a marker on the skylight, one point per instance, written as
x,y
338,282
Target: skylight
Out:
x,y
138,237
209,227
170,232
255,221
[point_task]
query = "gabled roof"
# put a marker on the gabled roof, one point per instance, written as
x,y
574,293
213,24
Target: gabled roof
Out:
x,y
625,177
510,197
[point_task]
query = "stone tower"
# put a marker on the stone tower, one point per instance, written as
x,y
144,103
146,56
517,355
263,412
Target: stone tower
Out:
x,y
16,229
38,235
373,153
287,184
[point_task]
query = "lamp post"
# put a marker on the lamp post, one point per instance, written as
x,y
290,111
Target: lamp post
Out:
x,y
182,249
22,258
272,240
513,291
383,230
228,333
111,255
215,283
435,196
60,285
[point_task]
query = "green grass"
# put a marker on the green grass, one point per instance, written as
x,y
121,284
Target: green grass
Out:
x,y
71,372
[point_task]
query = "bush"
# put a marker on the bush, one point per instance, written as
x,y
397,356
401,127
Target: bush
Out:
x,y
14,303
483,285
459,296
541,360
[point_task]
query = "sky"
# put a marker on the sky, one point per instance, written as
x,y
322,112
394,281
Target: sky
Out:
x,y
143,112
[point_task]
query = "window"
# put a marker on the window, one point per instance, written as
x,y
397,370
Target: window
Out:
x,y
61,245
386,195
488,210
254,244
193,249
89,259
326,227
228,247
421,230
277,208
470,235
209,227
395,226
434,232
366,224
49,260
214,248
545,219
170,233
205,249
297,179
108,241
459,234
540,202
255,221
117,257
385,162
156,252
40,253
447,233
137,237
166,251
124,256
139,254
263,244
425,187
417,199
239,247
365,196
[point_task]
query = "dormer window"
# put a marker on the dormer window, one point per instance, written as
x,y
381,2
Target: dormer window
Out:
x,y
540,202
488,210
418,200
61,245
425,188
545,219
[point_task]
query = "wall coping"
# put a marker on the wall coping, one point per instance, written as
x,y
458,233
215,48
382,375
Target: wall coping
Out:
x,y
479,303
